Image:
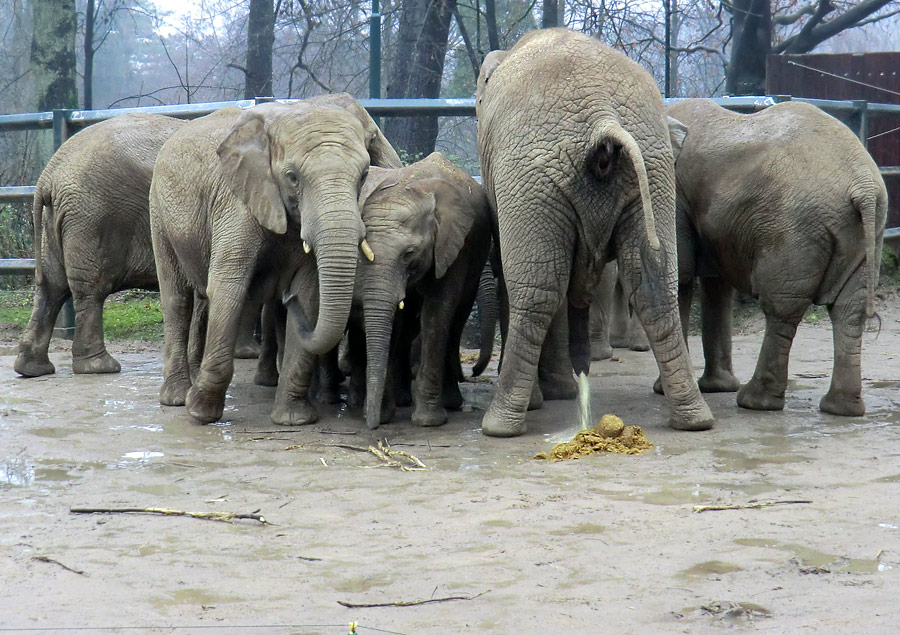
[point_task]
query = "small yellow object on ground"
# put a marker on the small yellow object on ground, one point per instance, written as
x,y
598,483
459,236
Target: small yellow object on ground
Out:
x,y
610,435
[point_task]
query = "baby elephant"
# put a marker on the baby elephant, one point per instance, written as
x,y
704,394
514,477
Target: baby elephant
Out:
x,y
92,235
428,226
785,205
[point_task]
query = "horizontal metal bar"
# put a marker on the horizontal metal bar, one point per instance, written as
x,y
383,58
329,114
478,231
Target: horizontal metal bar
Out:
x,y
16,266
27,121
82,118
890,170
419,107
12,194
892,234
884,109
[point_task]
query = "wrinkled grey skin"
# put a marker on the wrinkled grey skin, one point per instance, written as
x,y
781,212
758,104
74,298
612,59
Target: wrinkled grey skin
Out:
x,y
576,155
428,226
785,205
613,323
488,315
92,235
234,196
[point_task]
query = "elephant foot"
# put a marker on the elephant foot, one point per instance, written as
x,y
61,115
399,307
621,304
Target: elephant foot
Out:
x,y
753,397
328,394
694,418
640,347
356,394
204,406
32,365
497,424
658,387
601,351
451,397
536,401
558,387
721,381
174,391
387,411
619,341
103,363
296,412
246,350
266,377
429,417
841,404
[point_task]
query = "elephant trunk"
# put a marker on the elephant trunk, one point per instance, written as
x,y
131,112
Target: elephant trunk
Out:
x,y
378,313
613,131
488,312
335,237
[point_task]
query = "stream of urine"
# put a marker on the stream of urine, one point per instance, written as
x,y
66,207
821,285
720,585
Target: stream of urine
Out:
x,y
584,401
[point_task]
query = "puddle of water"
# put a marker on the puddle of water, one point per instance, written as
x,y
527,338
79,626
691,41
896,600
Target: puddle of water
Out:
x,y
812,561
581,528
498,523
17,471
710,567
51,433
884,384
364,583
142,456
888,526
197,597
894,478
56,474
737,612
156,490
735,461
149,427
687,494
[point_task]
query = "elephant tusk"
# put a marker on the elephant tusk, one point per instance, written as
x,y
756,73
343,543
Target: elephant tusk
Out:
x,y
364,246
401,305
306,247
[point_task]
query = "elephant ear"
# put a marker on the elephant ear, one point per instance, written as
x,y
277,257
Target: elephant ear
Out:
x,y
378,179
488,66
244,157
677,134
454,214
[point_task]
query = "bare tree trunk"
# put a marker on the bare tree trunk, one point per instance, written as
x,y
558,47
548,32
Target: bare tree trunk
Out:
x,y
550,15
260,38
751,42
417,71
490,19
53,54
89,55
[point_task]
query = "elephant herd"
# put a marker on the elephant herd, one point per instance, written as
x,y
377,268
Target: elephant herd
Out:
x,y
304,209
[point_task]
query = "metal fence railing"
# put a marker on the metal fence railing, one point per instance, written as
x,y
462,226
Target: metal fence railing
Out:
x,y
856,114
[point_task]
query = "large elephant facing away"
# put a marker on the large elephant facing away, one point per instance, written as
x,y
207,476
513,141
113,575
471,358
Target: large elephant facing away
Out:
x,y
233,197
785,205
577,158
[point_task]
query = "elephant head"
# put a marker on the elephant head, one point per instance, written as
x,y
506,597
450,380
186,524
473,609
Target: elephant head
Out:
x,y
417,219
304,163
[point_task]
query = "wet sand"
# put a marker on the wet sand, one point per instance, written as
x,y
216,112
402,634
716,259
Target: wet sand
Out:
x,y
604,544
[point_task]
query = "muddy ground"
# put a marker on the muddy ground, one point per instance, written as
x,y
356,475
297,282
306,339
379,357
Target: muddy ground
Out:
x,y
607,544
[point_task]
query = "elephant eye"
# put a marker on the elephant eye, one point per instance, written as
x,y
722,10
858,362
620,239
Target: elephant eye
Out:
x,y
291,177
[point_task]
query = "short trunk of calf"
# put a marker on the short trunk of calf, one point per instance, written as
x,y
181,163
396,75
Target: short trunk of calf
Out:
x,y
379,320
336,257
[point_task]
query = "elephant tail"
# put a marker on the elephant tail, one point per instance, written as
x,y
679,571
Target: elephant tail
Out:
x,y
613,131
487,318
866,203
41,198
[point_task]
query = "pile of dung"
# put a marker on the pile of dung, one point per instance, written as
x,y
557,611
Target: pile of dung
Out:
x,y
610,435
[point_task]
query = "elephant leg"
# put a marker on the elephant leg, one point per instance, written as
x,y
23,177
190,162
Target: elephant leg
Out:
x,y
197,337
848,316
619,335
555,376
685,298
177,298
206,398
330,377
246,346
648,273
49,296
292,405
601,308
765,390
267,365
89,354
637,338
716,302
428,388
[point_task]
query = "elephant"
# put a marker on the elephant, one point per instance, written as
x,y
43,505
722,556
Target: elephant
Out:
x,y
785,205
577,160
234,196
428,225
613,323
92,235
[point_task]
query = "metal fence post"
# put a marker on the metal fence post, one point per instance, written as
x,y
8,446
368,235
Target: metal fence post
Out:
x,y
861,119
65,324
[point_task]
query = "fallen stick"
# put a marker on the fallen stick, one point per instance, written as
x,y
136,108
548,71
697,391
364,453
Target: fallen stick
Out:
x,y
225,517
351,605
718,508
52,561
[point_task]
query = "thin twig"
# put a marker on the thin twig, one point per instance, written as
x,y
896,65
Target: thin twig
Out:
x,y
52,561
225,517
717,508
351,605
